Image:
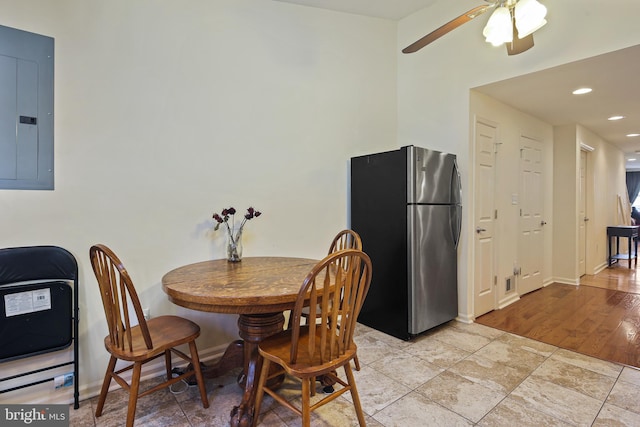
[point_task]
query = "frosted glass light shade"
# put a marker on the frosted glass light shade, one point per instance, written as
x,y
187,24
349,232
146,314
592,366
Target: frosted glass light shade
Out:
x,y
499,29
529,15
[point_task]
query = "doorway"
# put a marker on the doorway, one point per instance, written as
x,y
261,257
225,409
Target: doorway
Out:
x,y
582,216
485,279
531,236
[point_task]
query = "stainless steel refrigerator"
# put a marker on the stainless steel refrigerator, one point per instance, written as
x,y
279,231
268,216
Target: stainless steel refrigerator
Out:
x,y
406,206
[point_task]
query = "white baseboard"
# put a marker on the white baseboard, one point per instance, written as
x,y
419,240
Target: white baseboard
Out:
x,y
567,281
510,299
601,267
465,318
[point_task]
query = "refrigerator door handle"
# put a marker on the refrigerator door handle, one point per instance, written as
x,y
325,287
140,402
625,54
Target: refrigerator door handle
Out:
x,y
456,194
456,184
456,224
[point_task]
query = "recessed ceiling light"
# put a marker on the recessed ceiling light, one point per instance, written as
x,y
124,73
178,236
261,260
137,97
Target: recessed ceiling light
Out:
x,y
615,118
631,160
632,135
582,91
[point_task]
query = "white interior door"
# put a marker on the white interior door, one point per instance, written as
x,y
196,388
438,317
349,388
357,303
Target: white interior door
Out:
x,y
582,216
531,242
484,242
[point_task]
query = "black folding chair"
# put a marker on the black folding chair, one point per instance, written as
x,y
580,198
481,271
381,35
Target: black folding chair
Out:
x,y
38,308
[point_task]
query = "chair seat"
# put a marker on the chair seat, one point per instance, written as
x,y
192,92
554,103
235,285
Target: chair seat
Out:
x,y
277,348
166,333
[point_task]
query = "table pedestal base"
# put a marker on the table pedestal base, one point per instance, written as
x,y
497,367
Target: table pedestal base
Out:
x,y
232,358
253,329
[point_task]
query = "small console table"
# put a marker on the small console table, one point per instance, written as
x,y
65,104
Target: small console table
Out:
x,y
631,233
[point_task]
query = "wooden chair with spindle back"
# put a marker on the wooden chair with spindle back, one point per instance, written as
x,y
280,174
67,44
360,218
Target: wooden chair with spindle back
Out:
x,y
140,343
345,239
319,348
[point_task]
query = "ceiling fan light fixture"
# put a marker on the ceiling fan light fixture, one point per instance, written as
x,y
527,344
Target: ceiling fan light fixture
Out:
x,y
499,28
529,16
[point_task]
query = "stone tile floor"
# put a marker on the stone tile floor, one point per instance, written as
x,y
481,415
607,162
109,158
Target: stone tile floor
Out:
x,y
455,375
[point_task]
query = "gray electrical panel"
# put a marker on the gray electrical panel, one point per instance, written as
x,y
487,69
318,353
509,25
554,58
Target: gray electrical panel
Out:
x,y
26,110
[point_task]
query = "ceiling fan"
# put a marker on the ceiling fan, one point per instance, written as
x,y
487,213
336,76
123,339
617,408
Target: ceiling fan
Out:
x,y
512,23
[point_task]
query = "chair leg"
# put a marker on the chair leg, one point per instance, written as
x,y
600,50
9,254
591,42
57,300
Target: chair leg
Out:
x,y
262,380
306,402
354,394
195,361
105,385
167,363
133,393
356,362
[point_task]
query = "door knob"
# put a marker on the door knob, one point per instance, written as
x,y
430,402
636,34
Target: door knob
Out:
x,y
586,219
480,230
543,223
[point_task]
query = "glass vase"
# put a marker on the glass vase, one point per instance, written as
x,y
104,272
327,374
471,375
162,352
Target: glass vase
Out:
x,y
234,246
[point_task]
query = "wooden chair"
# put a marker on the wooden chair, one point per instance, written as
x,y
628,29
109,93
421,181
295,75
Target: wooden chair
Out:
x,y
319,348
140,343
346,239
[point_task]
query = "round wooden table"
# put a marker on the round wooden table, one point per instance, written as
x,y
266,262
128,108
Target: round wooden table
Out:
x,y
259,290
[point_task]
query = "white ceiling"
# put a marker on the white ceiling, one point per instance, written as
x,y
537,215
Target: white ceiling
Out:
x,y
387,9
547,94
614,79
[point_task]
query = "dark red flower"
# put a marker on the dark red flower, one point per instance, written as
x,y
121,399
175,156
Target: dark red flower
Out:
x,y
227,214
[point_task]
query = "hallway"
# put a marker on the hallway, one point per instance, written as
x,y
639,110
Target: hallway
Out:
x,y
599,318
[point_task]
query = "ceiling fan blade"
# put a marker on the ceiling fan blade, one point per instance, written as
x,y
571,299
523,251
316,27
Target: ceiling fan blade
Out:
x,y
518,45
449,26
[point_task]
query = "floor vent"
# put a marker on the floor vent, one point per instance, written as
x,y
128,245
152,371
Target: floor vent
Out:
x,y
510,281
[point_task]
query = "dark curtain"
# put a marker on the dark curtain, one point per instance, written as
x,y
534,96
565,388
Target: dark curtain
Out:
x,y
633,185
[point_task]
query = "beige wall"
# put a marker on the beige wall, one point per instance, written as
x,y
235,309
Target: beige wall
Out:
x,y
166,111
608,180
605,181
565,196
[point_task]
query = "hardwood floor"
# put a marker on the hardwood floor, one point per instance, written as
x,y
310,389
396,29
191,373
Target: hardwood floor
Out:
x,y
599,318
